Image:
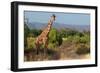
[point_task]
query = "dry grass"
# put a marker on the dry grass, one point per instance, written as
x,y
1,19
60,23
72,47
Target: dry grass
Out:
x,y
67,51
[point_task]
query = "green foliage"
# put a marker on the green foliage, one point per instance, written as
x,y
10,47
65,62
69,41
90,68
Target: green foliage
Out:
x,y
63,33
26,33
80,34
79,37
83,49
81,41
29,36
59,38
36,32
76,39
85,39
51,45
71,32
55,38
70,39
73,39
30,42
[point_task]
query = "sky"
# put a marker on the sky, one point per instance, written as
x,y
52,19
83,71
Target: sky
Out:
x,y
63,18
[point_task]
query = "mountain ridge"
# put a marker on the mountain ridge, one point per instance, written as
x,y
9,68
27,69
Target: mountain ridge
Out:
x,y
37,25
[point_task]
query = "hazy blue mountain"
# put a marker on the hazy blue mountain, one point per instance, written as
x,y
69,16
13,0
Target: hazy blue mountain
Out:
x,y
36,25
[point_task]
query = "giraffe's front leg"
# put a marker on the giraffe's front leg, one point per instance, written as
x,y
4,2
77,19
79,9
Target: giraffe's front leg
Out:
x,y
45,47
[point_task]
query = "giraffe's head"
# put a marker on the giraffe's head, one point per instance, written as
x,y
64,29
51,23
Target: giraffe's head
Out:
x,y
53,17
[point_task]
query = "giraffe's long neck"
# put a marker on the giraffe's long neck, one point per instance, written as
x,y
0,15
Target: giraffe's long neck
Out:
x,y
49,25
48,28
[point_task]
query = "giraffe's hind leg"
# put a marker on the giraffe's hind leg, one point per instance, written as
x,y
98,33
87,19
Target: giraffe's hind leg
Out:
x,y
37,51
37,48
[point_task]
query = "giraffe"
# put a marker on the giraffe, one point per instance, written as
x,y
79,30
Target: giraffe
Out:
x,y
43,37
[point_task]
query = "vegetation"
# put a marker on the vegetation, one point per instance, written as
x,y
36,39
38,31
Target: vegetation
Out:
x,y
63,43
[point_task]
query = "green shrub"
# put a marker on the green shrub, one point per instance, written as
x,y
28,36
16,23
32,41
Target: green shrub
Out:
x,y
55,38
76,39
51,45
30,42
83,49
36,32
85,39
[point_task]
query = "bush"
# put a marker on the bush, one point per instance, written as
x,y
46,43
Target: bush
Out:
x,y
30,42
83,49
71,32
85,39
55,38
51,45
36,32
63,33
76,39
59,39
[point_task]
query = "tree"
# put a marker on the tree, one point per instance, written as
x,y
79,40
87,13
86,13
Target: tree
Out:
x,y
26,33
30,42
36,32
55,38
59,38
64,33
